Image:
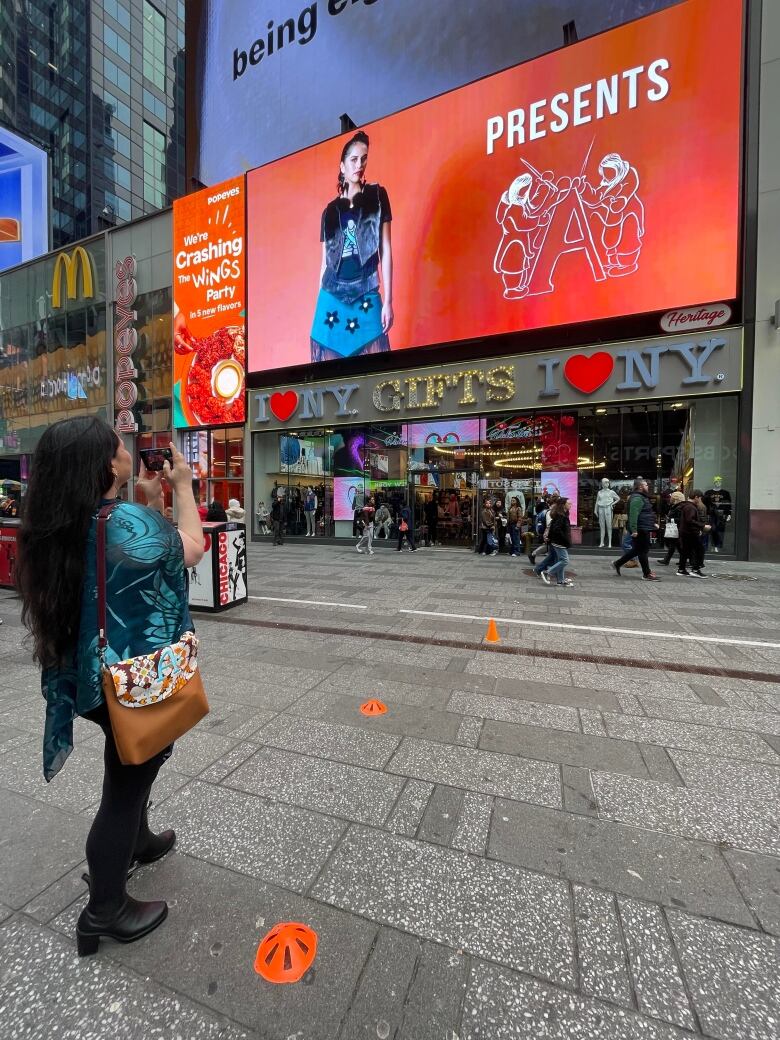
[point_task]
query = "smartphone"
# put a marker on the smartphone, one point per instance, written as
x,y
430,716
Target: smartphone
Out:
x,y
153,458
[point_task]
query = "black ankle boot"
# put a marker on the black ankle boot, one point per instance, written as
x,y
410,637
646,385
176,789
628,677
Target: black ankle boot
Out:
x,y
134,921
156,847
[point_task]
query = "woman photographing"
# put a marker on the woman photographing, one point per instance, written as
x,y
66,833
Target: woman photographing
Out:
x,y
351,318
79,466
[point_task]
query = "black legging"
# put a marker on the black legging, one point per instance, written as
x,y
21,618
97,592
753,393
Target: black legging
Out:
x,y
121,827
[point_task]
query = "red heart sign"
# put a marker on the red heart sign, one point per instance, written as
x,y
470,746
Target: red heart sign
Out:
x,y
589,373
283,405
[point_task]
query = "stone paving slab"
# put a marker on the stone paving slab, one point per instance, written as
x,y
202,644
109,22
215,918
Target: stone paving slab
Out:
x,y
378,1005
658,983
743,823
74,788
481,771
410,807
502,1005
362,795
433,1002
687,736
707,715
94,999
728,776
503,709
553,745
488,909
206,949
732,974
274,842
38,844
603,962
473,825
329,740
636,862
551,693
758,878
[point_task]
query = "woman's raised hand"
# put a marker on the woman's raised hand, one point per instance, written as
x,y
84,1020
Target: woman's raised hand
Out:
x,y
178,473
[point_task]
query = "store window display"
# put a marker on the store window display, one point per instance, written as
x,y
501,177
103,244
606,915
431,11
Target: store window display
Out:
x,y
606,500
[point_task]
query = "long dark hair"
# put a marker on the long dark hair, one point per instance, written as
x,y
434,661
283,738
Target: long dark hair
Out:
x,y
361,137
70,472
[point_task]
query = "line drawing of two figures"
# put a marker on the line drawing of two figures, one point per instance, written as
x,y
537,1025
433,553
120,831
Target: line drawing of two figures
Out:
x,y
542,218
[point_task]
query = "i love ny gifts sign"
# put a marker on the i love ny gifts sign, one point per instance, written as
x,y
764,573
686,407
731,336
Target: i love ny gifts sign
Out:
x,y
672,366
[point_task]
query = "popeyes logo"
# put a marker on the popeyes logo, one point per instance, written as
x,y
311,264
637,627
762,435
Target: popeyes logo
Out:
x,y
224,570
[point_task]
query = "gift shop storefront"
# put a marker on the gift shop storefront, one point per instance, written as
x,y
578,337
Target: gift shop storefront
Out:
x,y
568,421
485,295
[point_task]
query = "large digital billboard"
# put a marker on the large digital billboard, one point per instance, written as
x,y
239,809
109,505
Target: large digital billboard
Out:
x,y
209,314
24,200
598,181
265,79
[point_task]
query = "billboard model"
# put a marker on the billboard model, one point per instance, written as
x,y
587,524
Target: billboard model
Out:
x,y
24,200
558,192
209,306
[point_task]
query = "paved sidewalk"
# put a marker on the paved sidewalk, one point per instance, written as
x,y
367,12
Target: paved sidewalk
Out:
x,y
574,835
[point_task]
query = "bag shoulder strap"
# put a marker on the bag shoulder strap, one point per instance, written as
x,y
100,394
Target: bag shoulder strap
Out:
x,y
102,519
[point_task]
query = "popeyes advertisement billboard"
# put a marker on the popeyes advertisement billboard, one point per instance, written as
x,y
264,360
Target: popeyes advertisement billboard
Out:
x,y
597,181
209,307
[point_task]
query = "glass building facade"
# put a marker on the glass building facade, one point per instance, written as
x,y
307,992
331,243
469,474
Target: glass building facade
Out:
x,y
100,86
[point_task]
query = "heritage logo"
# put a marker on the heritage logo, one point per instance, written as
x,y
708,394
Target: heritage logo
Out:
x,y
688,318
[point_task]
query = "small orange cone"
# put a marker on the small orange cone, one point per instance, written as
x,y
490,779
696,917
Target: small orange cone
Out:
x,y
492,636
286,953
373,707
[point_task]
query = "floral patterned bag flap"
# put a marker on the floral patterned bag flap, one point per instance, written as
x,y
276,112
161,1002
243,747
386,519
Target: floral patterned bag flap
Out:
x,y
151,678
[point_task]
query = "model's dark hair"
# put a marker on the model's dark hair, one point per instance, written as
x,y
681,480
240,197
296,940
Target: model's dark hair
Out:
x,y
361,137
70,472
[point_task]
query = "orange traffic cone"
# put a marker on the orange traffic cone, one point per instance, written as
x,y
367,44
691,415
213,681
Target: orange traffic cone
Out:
x,y
492,636
286,953
373,707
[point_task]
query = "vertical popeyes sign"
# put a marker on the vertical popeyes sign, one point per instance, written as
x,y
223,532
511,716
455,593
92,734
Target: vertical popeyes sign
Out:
x,y
125,342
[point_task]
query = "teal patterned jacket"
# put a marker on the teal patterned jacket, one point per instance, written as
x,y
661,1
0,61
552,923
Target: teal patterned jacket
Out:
x,y
146,596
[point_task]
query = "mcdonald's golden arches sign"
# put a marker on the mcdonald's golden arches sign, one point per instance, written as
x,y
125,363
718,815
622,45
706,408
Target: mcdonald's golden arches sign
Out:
x,y
70,264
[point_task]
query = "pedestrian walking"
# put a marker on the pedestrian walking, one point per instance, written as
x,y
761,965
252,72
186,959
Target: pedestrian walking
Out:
x,y
541,570
487,523
692,527
405,529
515,518
641,522
79,466
278,519
672,528
559,537
310,510
542,518
368,529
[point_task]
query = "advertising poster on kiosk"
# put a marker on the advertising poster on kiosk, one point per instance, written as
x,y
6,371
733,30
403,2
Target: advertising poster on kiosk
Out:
x,y
220,579
209,252
584,185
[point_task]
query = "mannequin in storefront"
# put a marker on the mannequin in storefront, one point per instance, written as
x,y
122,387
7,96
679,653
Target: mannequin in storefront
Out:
x,y
718,503
605,506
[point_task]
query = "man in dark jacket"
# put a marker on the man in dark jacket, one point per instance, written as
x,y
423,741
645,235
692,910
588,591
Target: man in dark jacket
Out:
x,y
692,527
641,522
278,519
